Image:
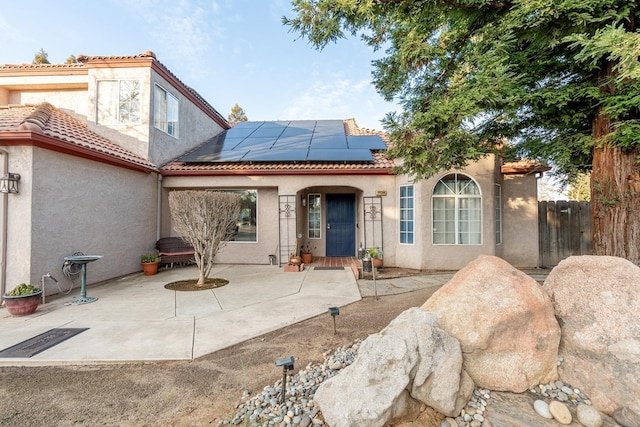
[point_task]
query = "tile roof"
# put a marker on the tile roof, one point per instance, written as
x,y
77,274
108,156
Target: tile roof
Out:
x,y
47,120
380,164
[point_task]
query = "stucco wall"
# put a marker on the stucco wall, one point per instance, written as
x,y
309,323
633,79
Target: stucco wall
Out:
x,y
194,128
269,188
519,215
68,99
133,137
78,205
423,254
520,224
19,209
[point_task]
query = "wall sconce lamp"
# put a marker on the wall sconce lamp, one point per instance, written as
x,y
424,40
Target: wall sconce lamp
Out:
x,y
303,200
287,365
334,311
9,183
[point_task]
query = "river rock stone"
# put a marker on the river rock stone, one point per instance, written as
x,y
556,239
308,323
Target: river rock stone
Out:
x,y
542,408
626,417
597,301
504,321
560,412
589,416
410,361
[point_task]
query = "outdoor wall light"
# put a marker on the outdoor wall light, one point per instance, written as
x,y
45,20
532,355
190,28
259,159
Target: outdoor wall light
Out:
x,y
287,365
9,183
303,200
334,311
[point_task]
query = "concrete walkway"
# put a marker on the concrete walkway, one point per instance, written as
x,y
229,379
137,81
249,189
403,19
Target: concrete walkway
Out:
x,y
136,319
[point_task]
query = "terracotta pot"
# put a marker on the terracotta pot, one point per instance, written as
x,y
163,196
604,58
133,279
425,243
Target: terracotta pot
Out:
x,y
150,268
295,260
307,257
377,262
22,305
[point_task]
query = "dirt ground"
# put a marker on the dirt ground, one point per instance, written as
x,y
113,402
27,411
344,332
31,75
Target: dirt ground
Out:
x,y
199,392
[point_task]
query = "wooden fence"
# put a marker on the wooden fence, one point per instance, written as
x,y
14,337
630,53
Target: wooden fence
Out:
x,y
564,229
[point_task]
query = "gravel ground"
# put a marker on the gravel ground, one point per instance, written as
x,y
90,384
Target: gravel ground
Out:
x,y
200,392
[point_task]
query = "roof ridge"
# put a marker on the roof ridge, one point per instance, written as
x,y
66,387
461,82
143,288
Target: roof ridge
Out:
x,y
37,120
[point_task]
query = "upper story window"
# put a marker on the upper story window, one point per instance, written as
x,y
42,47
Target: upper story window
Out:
x,y
457,211
118,102
406,214
165,111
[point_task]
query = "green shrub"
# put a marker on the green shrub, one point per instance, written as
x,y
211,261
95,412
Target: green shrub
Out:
x,y
150,258
23,289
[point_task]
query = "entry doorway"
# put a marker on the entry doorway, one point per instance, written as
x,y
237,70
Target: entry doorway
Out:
x,y
341,224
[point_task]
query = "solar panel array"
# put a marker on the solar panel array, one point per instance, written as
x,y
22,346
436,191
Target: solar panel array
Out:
x,y
287,141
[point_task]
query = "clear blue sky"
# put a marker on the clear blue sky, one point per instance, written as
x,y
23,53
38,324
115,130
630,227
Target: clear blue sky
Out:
x,y
230,51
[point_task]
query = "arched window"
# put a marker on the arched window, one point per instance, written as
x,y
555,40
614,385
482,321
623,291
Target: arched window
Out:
x,y
457,211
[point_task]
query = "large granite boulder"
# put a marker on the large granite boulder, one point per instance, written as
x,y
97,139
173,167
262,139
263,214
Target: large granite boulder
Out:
x,y
597,302
504,322
410,362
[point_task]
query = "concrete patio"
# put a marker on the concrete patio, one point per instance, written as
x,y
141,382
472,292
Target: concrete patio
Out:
x,y
136,319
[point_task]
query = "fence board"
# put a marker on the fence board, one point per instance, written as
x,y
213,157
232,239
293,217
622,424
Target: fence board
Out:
x,y
564,229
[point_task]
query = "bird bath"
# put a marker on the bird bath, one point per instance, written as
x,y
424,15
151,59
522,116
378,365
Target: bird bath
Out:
x,y
83,260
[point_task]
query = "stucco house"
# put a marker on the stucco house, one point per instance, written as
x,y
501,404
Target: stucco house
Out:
x,y
95,148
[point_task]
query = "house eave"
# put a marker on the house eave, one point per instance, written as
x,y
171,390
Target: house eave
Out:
x,y
281,172
35,139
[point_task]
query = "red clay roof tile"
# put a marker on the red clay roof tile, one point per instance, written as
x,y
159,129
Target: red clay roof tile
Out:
x,y
48,120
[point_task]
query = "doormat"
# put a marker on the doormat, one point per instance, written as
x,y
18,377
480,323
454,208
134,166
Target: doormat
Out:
x,y
328,268
41,342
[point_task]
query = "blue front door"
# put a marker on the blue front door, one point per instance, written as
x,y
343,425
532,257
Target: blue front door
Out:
x,y
341,224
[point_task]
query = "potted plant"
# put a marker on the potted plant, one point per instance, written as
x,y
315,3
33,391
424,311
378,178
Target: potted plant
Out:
x,y
307,256
376,256
23,299
150,264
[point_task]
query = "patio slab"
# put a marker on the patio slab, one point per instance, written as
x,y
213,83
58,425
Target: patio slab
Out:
x,y
136,319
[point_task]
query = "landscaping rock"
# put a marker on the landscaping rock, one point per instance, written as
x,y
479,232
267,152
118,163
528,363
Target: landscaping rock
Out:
x,y
597,301
589,416
542,408
412,360
504,321
626,417
560,412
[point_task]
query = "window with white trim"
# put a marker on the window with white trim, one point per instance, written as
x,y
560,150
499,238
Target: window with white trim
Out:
x,y
457,211
407,214
165,111
498,214
118,102
315,216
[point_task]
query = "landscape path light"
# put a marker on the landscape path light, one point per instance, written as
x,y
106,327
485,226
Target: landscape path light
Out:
x,y
287,365
334,311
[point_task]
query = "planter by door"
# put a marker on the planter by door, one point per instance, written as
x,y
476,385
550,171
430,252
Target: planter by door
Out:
x,y
377,262
150,268
307,257
22,305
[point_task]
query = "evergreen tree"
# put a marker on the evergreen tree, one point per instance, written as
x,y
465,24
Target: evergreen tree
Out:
x,y
558,79
71,60
237,115
41,57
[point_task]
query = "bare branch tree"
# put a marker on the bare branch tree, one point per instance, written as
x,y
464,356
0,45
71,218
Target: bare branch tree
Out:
x,y
205,219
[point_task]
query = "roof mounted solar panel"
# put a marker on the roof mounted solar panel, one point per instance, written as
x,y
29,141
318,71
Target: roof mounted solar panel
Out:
x,y
372,142
297,155
268,131
333,155
331,141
